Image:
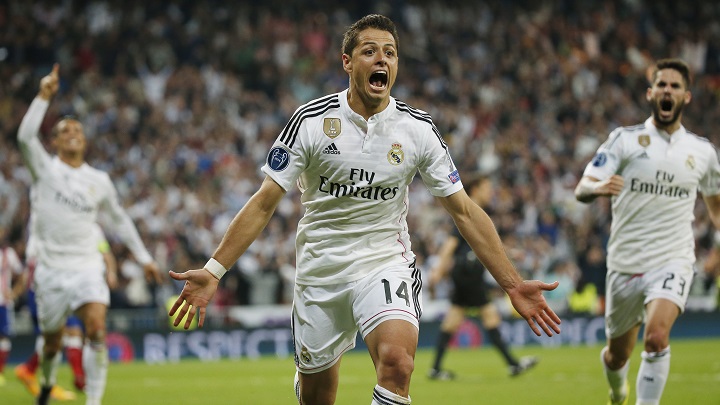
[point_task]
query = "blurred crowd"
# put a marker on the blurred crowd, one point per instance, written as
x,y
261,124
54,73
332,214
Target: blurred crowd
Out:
x,y
181,99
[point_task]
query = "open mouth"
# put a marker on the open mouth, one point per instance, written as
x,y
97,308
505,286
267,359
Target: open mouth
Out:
x,y
666,105
379,79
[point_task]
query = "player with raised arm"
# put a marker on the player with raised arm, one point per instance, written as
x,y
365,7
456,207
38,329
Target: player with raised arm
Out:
x,y
652,172
353,155
67,196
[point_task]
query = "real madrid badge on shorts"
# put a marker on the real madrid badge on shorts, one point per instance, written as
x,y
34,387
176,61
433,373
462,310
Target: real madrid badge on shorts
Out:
x,y
305,355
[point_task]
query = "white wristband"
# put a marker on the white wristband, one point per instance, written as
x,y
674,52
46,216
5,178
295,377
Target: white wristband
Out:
x,y
215,268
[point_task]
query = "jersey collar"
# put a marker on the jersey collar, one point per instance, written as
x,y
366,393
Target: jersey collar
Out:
x,y
357,118
662,133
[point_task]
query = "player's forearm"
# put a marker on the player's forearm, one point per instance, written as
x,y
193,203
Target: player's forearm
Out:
x,y
245,228
479,231
30,125
131,238
110,263
32,149
586,190
445,257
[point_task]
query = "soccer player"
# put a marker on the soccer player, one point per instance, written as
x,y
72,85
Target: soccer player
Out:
x,y
73,334
11,286
69,278
353,155
25,372
469,291
652,172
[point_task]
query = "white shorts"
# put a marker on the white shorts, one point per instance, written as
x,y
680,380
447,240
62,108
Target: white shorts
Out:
x,y
627,294
326,319
60,292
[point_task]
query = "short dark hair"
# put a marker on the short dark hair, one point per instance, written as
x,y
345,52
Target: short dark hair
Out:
x,y
675,64
377,21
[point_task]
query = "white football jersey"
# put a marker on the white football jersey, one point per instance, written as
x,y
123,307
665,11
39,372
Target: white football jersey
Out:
x,y
65,202
354,176
652,216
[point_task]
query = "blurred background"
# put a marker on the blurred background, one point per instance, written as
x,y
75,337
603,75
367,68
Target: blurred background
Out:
x,y
181,100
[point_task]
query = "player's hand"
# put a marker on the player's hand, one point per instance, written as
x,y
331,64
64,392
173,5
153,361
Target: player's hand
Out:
x,y
152,273
200,286
610,186
50,84
528,301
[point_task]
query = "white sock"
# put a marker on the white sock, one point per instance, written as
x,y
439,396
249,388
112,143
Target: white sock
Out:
x,y
39,343
652,376
95,363
615,378
296,387
381,396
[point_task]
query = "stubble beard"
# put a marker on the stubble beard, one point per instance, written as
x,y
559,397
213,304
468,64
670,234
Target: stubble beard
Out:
x,y
656,112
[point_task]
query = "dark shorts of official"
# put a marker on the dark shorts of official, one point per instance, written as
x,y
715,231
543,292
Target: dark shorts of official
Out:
x,y
469,288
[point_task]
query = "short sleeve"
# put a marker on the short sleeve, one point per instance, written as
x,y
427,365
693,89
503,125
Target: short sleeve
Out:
x,y
287,158
710,183
436,166
607,159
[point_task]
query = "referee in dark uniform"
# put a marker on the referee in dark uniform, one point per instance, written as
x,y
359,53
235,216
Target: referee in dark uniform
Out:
x,y
469,292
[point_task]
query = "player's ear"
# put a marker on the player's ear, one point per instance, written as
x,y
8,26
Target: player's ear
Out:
x,y
347,63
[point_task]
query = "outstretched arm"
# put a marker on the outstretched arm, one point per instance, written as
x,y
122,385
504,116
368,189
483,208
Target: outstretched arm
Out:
x,y
201,284
128,233
526,296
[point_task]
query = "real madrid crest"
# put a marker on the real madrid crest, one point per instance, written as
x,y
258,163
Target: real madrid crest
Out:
x,y
305,355
644,140
396,154
332,127
690,162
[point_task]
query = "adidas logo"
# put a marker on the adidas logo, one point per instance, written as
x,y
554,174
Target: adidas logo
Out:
x,y
644,155
331,150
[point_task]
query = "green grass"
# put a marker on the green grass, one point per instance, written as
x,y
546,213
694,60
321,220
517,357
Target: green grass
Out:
x,y
565,375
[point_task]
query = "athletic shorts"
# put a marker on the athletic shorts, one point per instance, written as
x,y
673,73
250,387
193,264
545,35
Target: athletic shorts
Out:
x,y
327,318
627,294
72,321
60,292
6,317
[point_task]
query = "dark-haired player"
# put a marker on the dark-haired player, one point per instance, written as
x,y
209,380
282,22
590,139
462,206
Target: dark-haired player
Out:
x,y
652,172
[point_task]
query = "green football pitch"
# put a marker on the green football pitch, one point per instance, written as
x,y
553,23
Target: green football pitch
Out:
x,y
565,375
